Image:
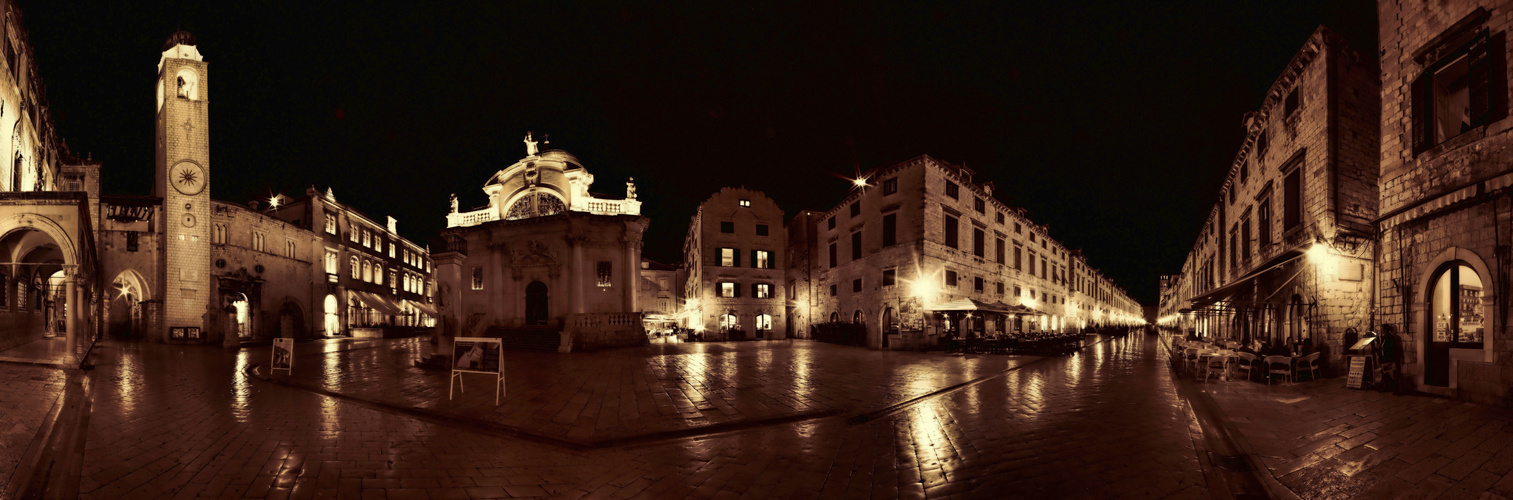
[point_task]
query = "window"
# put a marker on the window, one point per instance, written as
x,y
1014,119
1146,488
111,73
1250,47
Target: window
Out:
x,y
890,186
856,245
289,248
1234,236
1042,268
980,206
832,254
745,203
832,289
977,284
978,243
1263,223
477,277
356,269
1244,172
1290,104
1000,218
1245,237
953,190
1456,310
1463,89
333,261
727,227
729,290
761,290
1292,199
951,278
761,259
890,277
1018,229
998,287
730,257
1018,292
1231,196
761,230
257,241
998,251
951,231
606,273
354,233
890,230
393,281
1261,144
331,223
132,241
1017,262
831,222
218,234
391,249
378,273
856,285
856,208
367,238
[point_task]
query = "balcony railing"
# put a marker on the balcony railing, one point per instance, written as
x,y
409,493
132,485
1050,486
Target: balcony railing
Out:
x,y
473,218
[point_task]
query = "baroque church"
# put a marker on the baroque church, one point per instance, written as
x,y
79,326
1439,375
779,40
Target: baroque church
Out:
x,y
547,264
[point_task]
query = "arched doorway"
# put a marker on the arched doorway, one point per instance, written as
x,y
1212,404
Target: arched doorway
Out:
x,y
1456,318
239,316
887,325
333,316
535,303
123,314
763,325
291,320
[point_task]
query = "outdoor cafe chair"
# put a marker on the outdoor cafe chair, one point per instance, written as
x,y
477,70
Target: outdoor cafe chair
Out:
x,y
1309,364
1215,362
1246,364
1190,358
1278,365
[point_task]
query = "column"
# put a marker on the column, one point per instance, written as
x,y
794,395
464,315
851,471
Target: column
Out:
x,y
577,274
632,275
70,308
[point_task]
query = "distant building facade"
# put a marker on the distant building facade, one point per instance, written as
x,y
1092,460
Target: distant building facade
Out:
x,y
1285,256
733,254
545,256
924,252
660,296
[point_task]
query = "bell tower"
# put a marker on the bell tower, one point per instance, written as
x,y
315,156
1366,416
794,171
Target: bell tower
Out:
x,y
182,180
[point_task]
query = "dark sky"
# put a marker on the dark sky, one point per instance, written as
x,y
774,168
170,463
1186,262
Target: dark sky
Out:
x,y
1114,124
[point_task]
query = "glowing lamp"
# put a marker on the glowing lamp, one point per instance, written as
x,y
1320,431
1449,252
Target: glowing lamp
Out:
x,y
859,182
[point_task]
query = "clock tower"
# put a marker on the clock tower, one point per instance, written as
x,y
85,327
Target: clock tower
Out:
x,y
182,180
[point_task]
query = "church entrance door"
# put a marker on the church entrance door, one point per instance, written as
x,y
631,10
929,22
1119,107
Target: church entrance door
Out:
x,y
535,303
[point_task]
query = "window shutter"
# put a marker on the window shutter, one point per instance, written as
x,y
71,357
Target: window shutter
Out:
x,y
1423,112
737,289
754,260
736,257
754,290
1497,78
1479,65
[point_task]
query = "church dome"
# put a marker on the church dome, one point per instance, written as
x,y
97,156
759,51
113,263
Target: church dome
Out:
x,y
180,37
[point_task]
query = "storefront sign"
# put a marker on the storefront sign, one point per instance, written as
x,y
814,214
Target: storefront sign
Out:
x,y
283,355
477,355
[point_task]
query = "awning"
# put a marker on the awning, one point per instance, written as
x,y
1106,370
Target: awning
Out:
x,y
1226,291
377,302
422,306
970,305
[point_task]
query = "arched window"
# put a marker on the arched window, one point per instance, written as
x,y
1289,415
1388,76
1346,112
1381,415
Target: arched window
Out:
x,y
728,322
834,317
857,318
1297,320
1455,306
890,323
764,322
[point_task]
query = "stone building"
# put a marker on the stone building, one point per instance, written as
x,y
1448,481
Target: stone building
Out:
x,y
372,282
733,251
921,251
660,296
546,264
1446,170
1286,253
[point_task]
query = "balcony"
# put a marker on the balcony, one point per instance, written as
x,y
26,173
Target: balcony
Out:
x,y
476,217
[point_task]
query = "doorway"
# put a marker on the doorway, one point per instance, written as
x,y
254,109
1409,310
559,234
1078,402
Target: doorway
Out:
x,y
535,304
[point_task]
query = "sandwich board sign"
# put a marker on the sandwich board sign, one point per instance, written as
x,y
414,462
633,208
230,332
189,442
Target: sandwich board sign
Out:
x,y
283,355
477,355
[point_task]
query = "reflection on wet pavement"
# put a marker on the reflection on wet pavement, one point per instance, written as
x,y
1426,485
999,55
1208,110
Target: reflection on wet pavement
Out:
x,y
1104,423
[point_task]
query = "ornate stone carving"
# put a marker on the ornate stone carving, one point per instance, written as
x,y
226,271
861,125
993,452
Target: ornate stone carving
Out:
x,y
534,254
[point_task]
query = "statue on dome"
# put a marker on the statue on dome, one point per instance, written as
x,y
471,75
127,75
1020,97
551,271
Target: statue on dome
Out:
x,y
630,188
530,145
454,203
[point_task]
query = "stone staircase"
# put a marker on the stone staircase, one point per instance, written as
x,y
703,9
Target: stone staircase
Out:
x,y
527,338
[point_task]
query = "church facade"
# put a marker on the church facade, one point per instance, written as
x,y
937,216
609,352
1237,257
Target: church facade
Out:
x,y
545,259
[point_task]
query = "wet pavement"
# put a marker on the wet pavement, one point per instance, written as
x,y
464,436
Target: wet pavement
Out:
x,y
1322,440
27,394
184,422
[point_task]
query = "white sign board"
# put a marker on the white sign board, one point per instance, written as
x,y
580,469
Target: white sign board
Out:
x,y
283,355
477,355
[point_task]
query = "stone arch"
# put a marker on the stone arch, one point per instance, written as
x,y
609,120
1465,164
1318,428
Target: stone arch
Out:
x,y
13,224
291,319
1418,328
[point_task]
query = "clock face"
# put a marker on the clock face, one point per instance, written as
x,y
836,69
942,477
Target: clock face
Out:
x,y
187,178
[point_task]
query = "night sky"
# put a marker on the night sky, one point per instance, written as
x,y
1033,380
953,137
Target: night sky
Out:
x,y
1114,124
